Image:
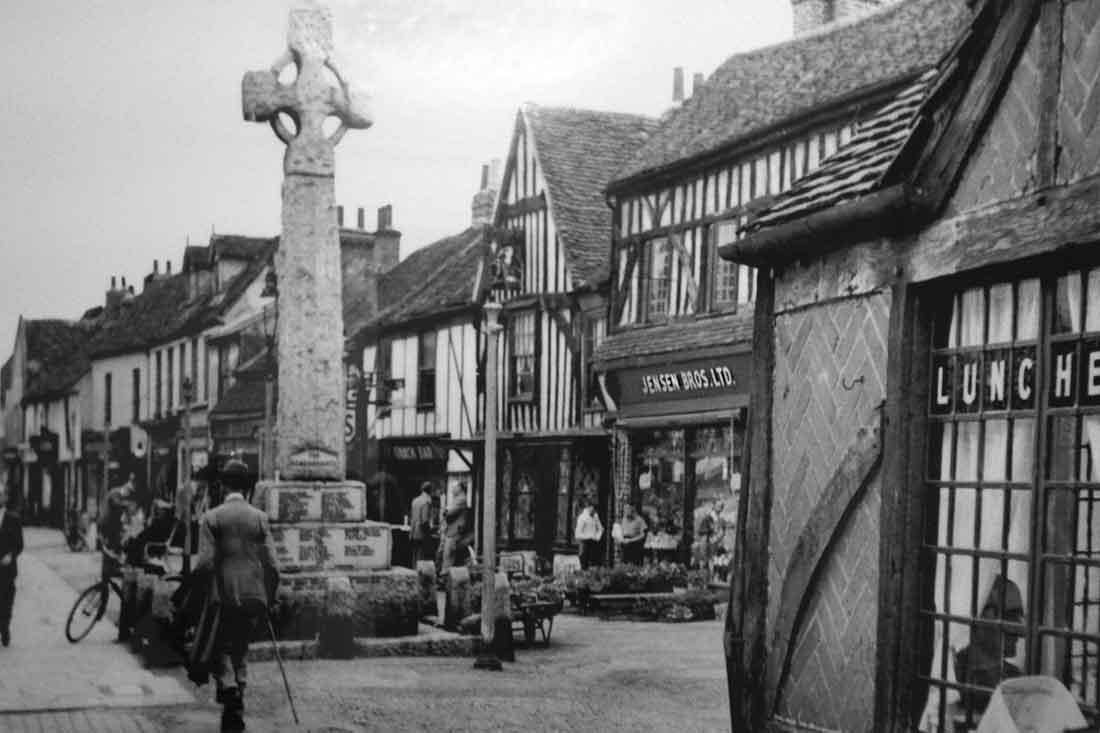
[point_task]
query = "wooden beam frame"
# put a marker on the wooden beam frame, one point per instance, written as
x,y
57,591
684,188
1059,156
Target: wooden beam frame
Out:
x,y
527,205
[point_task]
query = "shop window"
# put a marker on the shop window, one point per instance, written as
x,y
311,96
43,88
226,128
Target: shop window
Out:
x,y
523,512
425,382
658,263
1012,503
563,530
522,356
714,458
659,481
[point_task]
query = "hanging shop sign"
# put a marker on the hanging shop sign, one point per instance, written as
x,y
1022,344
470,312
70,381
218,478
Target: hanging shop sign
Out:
x,y
1005,379
696,379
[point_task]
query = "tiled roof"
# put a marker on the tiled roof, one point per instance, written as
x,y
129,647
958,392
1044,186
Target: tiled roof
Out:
x,y
433,279
163,311
245,397
751,93
57,356
858,166
195,257
700,333
238,247
579,152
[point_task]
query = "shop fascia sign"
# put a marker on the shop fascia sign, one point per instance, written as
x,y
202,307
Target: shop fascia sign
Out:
x,y
691,379
414,452
1003,379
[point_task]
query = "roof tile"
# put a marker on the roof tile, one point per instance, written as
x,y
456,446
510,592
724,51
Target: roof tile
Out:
x,y
753,92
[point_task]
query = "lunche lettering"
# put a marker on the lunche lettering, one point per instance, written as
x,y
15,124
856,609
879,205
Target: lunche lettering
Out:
x,y
1063,376
1092,380
1024,378
996,380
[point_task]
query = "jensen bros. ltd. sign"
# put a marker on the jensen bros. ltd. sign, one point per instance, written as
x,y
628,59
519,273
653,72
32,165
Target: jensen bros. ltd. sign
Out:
x,y
715,380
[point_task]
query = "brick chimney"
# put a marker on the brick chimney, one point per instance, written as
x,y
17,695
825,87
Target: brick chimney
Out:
x,y
678,85
113,302
696,82
339,216
812,15
481,208
387,240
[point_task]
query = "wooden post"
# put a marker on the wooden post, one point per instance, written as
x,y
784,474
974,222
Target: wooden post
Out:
x,y
187,396
487,658
267,469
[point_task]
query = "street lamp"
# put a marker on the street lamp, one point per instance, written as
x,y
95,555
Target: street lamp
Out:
x,y
503,283
187,394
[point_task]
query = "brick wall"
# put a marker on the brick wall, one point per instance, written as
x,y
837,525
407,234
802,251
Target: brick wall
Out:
x,y
819,350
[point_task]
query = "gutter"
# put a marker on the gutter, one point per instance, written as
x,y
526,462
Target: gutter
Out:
x,y
880,213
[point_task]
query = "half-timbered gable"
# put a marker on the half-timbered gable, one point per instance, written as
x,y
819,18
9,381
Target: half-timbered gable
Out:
x,y
927,340
559,162
420,362
553,227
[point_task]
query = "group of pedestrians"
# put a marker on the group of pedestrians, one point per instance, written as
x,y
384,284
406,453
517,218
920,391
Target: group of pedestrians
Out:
x,y
629,533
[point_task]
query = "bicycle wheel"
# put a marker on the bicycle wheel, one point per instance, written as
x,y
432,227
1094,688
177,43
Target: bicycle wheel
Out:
x,y
88,609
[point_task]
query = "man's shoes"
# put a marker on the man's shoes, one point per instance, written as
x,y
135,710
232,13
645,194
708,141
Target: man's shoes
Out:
x,y
232,720
232,709
5,637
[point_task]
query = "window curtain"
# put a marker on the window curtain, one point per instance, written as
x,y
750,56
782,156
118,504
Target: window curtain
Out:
x,y
966,331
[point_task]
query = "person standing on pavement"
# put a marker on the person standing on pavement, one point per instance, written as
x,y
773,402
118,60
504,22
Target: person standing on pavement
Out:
x,y
235,544
588,533
420,524
11,544
633,536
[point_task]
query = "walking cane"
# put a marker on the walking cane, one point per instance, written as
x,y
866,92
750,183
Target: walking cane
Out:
x,y
279,659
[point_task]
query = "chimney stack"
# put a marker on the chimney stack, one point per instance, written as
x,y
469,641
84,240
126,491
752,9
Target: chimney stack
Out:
x,y
678,84
696,82
114,282
339,216
385,217
481,207
156,267
168,267
362,219
812,15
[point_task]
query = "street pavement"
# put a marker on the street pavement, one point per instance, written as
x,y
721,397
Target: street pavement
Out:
x,y
43,672
596,675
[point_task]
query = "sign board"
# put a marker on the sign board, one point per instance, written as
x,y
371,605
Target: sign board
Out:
x,y
421,451
310,504
1005,378
362,546
714,382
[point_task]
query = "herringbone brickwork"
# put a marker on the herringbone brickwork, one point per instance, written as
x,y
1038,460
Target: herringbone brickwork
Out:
x,y
1005,163
829,382
831,679
1079,105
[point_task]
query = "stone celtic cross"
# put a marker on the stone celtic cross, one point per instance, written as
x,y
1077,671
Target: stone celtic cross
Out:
x,y
310,423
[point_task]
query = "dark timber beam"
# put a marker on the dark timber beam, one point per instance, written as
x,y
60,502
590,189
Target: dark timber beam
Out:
x,y
528,205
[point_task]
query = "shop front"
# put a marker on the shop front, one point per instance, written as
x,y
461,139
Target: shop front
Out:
x,y
544,484
679,444
45,485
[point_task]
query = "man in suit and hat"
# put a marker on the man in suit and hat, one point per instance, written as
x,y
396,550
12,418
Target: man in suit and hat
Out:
x,y
235,545
11,544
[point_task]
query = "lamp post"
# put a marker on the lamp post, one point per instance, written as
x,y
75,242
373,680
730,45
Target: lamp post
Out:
x,y
187,395
504,281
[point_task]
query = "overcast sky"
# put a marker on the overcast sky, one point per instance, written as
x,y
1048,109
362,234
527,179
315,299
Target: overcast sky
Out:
x,y
123,135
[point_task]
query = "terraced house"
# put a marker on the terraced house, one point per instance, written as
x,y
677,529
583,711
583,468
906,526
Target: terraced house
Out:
x,y
926,431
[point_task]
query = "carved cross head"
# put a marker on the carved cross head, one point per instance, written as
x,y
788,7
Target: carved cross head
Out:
x,y
310,99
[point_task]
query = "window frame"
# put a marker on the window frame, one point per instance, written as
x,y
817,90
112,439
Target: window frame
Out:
x,y
135,398
647,256
170,358
591,398
425,375
107,399
514,395
159,384
715,262
900,691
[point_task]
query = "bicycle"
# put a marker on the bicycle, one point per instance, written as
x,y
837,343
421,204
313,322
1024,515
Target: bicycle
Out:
x,y
92,602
